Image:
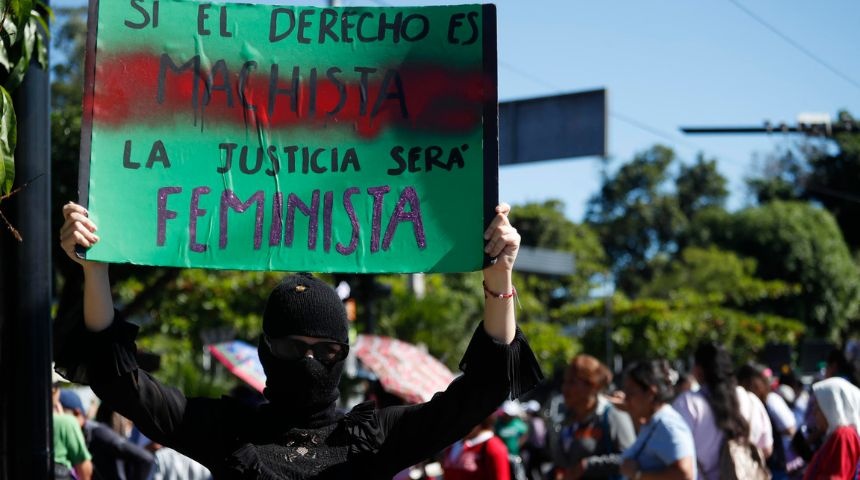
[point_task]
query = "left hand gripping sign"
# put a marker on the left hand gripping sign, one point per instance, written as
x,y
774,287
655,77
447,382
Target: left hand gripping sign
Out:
x,y
265,137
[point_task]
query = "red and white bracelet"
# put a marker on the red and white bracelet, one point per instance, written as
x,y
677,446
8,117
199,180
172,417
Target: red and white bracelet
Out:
x,y
501,296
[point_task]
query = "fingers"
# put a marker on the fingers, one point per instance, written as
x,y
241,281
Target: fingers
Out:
x,y
501,218
500,234
501,240
77,229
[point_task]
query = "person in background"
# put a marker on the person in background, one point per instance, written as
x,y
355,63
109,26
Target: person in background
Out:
x,y
481,455
837,412
756,379
589,437
72,460
534,449
513,431
721,410
664,448
114,457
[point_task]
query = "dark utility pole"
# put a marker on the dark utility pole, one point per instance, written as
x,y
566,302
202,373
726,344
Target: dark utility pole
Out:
x,y
25,293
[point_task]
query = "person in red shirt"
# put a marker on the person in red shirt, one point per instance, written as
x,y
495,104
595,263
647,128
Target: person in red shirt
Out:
x,y
837,411
481,455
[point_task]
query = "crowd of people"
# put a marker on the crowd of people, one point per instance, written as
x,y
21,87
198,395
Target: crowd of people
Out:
x,y
718,421
92,442
715,422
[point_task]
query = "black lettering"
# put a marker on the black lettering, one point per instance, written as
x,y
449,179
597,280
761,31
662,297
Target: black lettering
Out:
x,y
396,155
414,156
126,157
315,166
243,161
424,28
384,94
346,26
328,19
360,28
276,163
158,154
275,90
394,26
273,24
362,105
455,21
135,4
167,62
220,68
303,24
201,18
224,31
350,158
227,148
341,89
474,24
291,158
432,155
243,82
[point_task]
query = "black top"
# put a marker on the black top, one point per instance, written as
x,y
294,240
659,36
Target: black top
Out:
x,y
237,441
114,456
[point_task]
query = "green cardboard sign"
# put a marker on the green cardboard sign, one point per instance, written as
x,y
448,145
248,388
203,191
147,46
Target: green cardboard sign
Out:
x,y
269,137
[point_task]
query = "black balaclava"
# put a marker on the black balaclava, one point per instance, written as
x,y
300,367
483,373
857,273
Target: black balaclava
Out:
x,y
305,388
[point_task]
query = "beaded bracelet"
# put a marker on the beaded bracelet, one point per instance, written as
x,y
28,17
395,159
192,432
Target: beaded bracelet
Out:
x,y
500,296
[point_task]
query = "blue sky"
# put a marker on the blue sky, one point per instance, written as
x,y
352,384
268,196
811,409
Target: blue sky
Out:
x,y
666,64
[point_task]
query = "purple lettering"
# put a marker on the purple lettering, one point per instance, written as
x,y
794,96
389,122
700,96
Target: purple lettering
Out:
x,y
376,225
196,212
163,213
350,210
277,220
414,215
229,200
312,212
328,201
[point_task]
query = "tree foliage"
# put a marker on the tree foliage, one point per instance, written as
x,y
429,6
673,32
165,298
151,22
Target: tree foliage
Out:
x,y
23,39
705,294
796,243
822,170
642,211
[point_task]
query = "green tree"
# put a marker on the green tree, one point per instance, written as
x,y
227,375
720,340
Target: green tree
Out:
x,y
822,170
642,211
705,294
23,35
544,225
796,243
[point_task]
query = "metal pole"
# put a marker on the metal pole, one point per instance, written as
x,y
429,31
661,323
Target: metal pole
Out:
x,y
25,293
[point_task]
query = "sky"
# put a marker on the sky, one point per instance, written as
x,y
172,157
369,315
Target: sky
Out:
x,y
667,64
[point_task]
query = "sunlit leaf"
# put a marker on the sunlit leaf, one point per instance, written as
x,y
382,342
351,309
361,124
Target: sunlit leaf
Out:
x,y
25,46
8,138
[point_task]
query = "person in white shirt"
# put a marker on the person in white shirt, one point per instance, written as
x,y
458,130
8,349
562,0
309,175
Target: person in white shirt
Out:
x,y
721,409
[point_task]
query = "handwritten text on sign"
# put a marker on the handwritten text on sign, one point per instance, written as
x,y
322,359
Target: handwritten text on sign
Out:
x,y
291,138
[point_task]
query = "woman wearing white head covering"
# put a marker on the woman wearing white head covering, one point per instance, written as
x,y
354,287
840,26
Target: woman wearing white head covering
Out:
x,y
837,411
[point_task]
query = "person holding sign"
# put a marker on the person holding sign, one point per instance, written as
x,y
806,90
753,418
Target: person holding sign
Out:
x,y
298,434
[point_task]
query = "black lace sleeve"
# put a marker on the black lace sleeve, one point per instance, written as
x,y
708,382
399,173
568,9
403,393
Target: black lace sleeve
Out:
x,y
80,355
521,369
362,426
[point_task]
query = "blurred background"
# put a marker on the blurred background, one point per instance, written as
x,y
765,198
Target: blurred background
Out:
x,y
668,238
747,235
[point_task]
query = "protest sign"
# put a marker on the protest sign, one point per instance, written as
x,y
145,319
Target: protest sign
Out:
x,y
270,137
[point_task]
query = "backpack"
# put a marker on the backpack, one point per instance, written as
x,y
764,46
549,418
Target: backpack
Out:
x,y
741,460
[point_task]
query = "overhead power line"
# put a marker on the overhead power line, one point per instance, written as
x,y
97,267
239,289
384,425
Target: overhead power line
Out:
x,y
796,45
613,113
